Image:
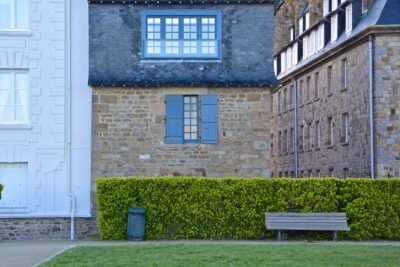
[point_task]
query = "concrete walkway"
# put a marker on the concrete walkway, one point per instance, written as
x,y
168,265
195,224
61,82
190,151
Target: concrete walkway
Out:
x,y
32,253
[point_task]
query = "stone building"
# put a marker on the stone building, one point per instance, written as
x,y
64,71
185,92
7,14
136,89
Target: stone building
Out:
x,y
45,110
181,89
336,112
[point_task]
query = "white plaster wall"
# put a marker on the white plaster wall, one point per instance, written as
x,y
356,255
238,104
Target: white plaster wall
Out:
x,y
53,63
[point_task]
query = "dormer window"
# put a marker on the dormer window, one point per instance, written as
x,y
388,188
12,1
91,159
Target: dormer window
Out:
x,y
334,4
291,33
349,18
334,27
181,34
301,25
326,7
304,19
307,21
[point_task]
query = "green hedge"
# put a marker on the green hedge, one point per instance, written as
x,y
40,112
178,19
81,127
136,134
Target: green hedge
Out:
x,y
1,189
233,208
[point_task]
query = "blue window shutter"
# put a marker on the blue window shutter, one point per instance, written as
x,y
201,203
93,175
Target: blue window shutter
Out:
x,y
174,119
209,119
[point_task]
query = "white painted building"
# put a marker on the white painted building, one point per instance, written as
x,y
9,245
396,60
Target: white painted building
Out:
x,y
45,109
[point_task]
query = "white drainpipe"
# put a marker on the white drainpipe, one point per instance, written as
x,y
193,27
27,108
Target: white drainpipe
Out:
x,y
371,106
68,113
296,154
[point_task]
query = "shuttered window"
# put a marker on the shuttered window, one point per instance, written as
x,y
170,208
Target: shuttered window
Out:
x,y
14,177
183,122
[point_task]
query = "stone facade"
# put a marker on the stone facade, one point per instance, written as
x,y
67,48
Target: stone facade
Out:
x,y
387,104
129,134
47,228
316,105
336,113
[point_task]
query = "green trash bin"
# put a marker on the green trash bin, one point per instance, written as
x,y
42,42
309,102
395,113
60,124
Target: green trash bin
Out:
x,y
136,222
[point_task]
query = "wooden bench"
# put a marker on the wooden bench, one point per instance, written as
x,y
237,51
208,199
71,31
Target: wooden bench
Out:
x,y
306,222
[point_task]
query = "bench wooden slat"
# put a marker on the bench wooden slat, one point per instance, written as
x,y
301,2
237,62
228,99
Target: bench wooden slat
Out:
x,y
324,221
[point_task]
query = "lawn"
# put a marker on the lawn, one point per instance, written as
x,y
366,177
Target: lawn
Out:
x,y
230,255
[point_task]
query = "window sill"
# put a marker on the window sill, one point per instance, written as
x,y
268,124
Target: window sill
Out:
x,y
179,60
15,32
343,89
15,126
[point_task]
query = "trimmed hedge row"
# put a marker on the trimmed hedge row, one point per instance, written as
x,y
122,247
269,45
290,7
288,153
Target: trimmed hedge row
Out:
x,y
1,189
233,208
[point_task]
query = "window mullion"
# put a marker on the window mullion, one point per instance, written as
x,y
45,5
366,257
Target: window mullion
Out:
x,y
181,34
14,106
198,41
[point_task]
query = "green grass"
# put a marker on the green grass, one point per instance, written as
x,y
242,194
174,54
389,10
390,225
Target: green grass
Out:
x,y
230,255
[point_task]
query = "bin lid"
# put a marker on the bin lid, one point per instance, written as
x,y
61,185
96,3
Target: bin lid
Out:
x,y
137,210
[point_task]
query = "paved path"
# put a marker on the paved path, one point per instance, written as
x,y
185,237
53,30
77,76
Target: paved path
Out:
x,y
32,253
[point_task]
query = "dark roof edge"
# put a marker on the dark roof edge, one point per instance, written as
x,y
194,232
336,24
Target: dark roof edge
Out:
x,y
99,83
359,37
193,2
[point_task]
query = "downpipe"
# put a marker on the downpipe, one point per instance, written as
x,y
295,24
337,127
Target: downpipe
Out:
x,y
295,143
68,115
371,106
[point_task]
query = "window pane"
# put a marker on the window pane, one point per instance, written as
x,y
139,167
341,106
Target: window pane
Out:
x,y
5,14
21,81
21,113
5,80
6,97
22,14
5,113
21,97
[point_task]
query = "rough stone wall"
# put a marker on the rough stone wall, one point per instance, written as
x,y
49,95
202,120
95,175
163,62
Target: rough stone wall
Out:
x,y
387,105
339,159
129,134
46,228
115,57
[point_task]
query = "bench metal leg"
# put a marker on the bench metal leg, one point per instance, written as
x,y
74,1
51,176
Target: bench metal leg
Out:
x,y
279,236
335,236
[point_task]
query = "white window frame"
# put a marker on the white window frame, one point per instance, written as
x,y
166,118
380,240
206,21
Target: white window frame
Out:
x,y
334,5
344,73
283,62
14,121
307,18
14,16
295,54
349,18
291,33
334,28
301,29
275,66
326,7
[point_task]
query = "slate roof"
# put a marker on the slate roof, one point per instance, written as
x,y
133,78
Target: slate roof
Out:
x,y
151,2
380,13
390,14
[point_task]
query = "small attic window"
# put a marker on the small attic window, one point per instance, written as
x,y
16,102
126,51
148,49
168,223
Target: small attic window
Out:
x,y
304,19
349,18
181,34
291,33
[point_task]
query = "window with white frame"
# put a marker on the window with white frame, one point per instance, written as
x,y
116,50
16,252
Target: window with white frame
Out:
x,y
305,47
344,73
334,28
14,14
321,37
326,7
307,20
289,58
349,18
295,54
181,34
283,62
13,97
14,177
291,33
301,25
345,128
334,4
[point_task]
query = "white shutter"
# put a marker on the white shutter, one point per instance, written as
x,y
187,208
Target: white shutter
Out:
x,y
13,176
